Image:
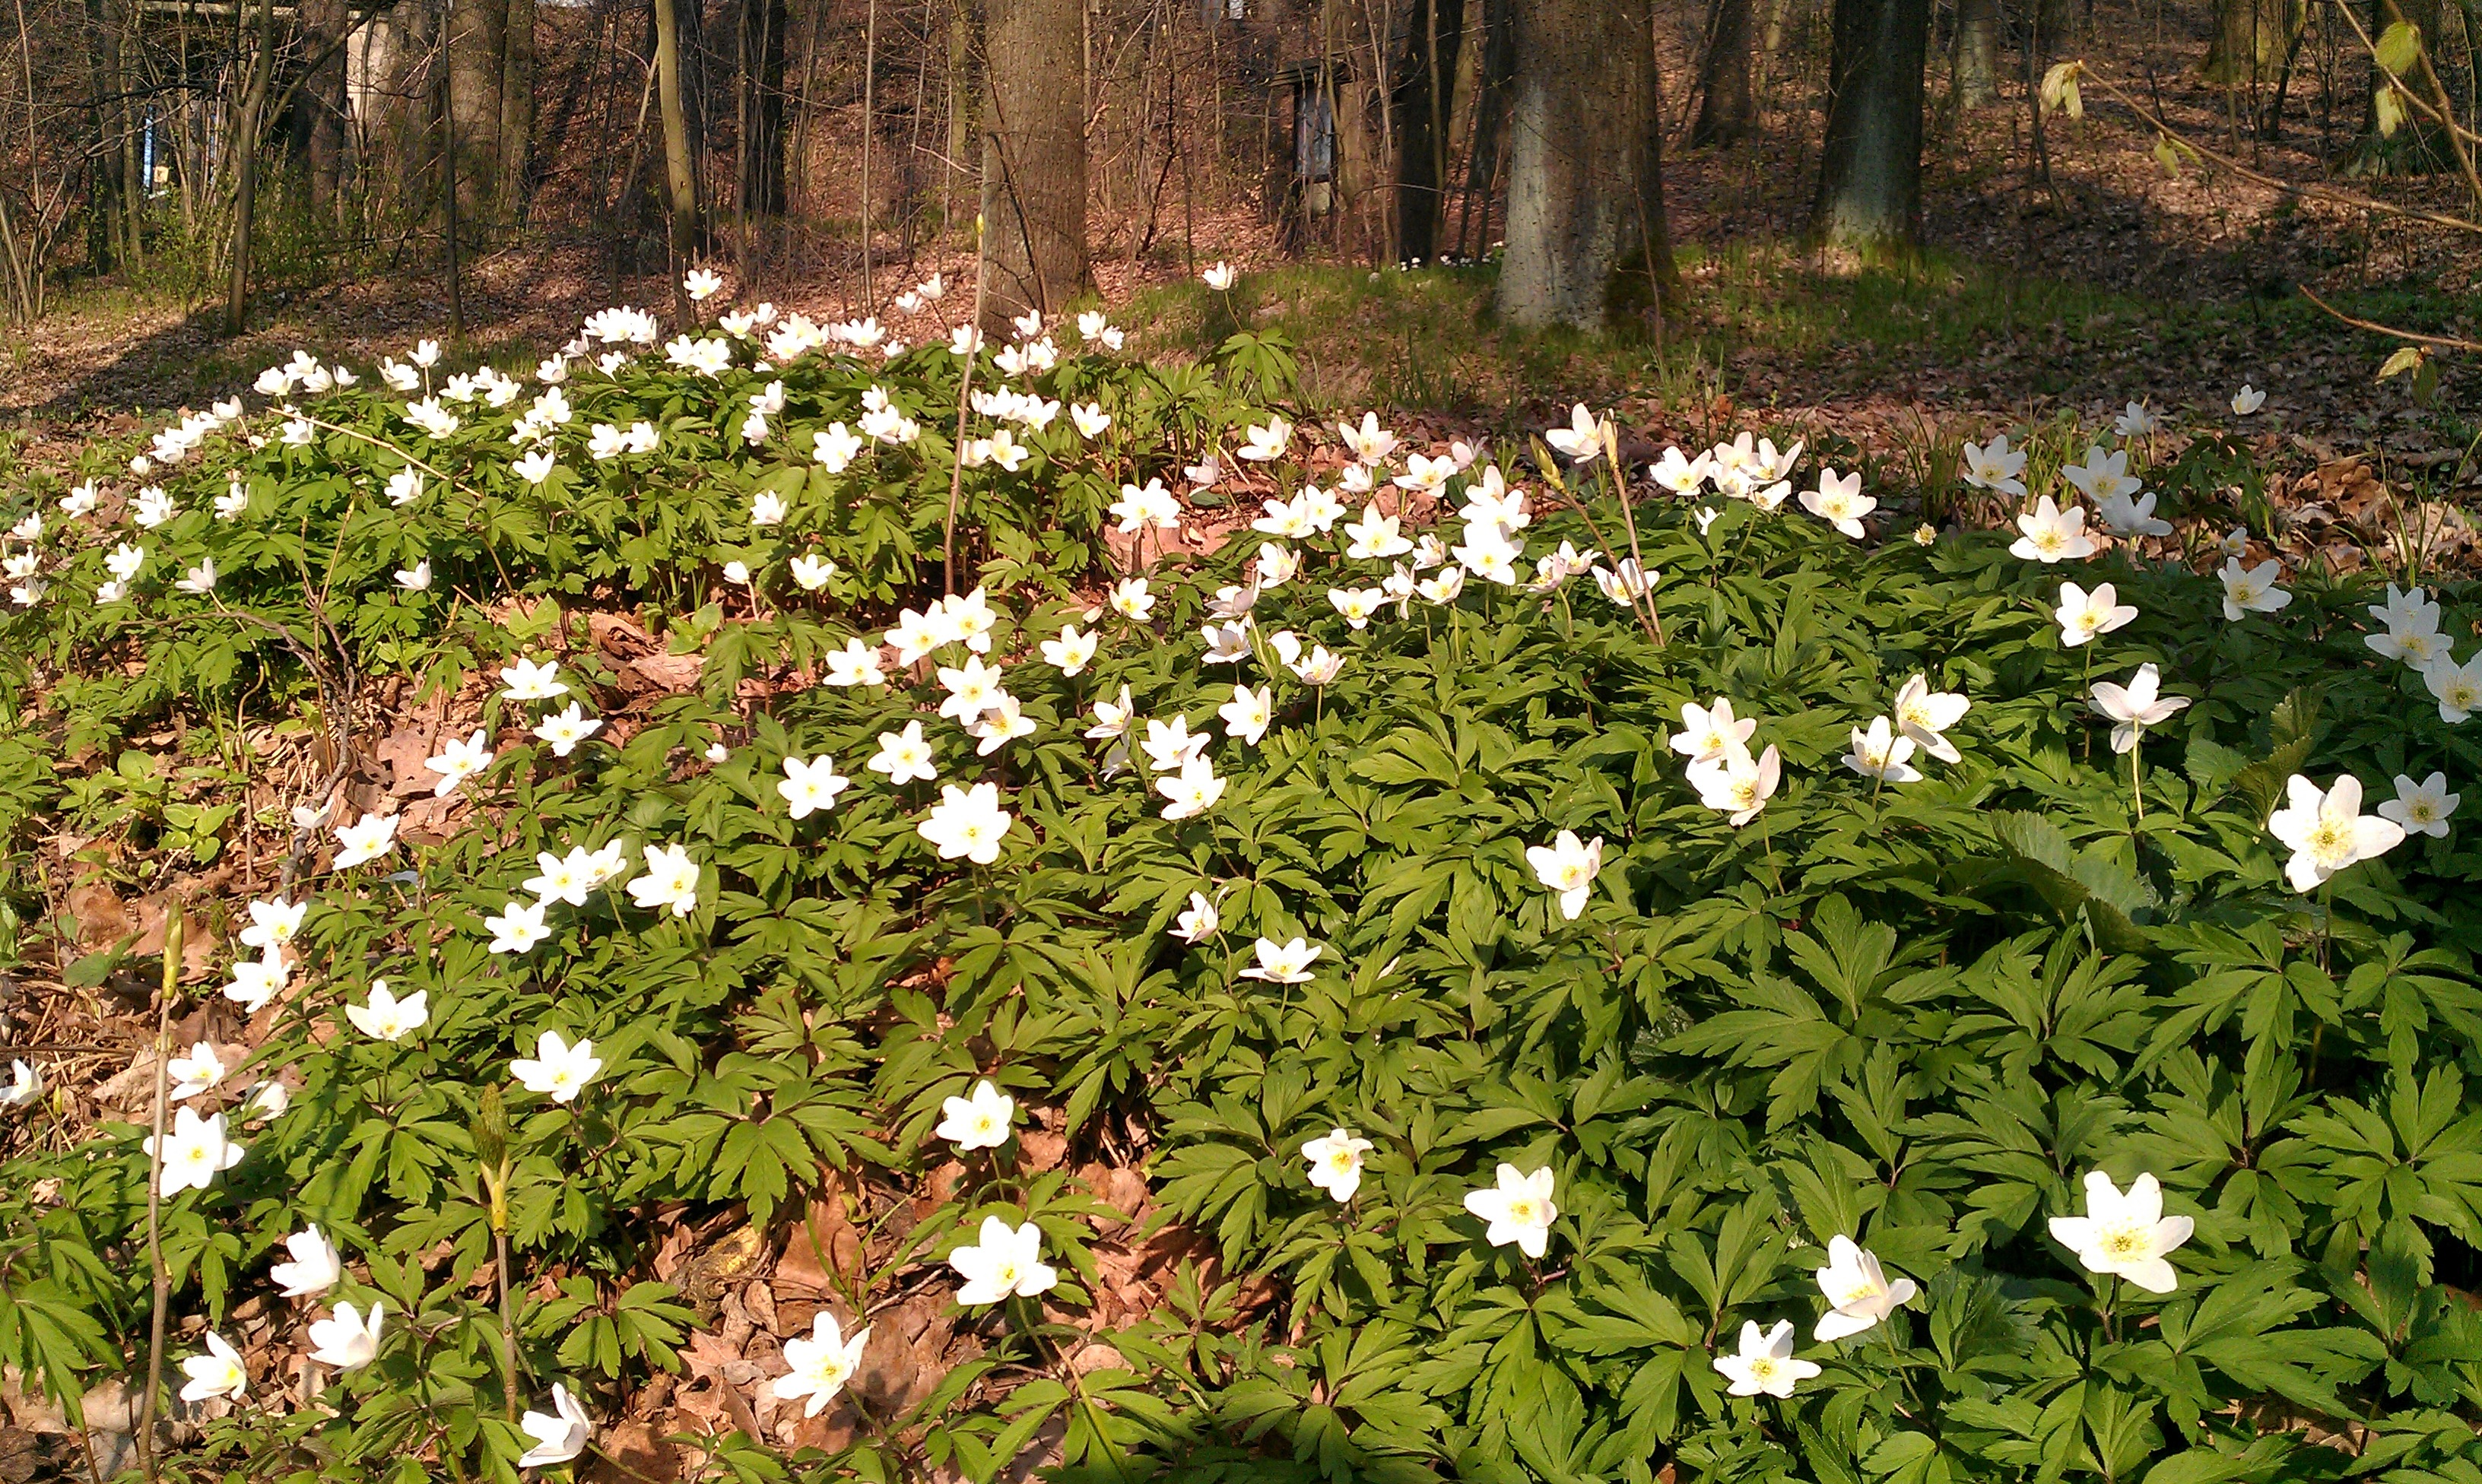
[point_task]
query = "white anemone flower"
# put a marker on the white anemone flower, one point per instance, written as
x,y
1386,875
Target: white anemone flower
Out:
x,y
2136,706
1199,920
822,1362
2103,475
218,1374
811,787
383,1017
561,1434
1859,1295
1515,1208
1006,1262
1191,791
365,840
1995,466
2457,687
2327,831
2252,590
967,822
904,756
2083,615
2421,808
2125,1234
348,1339
1706,731
1765,1366
1335,1163
199,1072
194,1152
316,1265
460,760
1567,866
978,1121
670,881
1283,963
1582,439
518,929
1839,502
1925,716
530,681
557,1069
2052,535
1736,785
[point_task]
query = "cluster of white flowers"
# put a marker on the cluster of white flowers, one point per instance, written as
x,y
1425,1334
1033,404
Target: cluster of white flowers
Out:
x,y
2125,1235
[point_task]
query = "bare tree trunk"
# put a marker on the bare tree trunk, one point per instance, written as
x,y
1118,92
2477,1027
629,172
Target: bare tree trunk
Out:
x,y
103,85
477,42
869,137
133,123
679,175
324,23
246,142
1437,32
954,178
1726,107
1977,53
449,182
1585,167
516,109
1494,82
2251,39
1034,157
762,109
1870,173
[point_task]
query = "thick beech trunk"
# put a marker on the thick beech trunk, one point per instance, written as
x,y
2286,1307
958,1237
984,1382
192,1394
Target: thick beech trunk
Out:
x,y
516,108
477,39
680,173
2251,37
1585,188
1034,157
1436,33
1977,53
1871,174
321,104
1726,107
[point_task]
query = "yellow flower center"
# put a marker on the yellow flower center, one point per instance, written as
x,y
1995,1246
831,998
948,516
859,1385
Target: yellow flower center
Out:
x,y
2330,842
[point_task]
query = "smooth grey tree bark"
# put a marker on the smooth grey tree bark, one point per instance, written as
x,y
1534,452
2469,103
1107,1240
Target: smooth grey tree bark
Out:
x,y
1977,53
1585,186
1034,158
477,42
517,140
680,172
1870,173
1726,106
321,104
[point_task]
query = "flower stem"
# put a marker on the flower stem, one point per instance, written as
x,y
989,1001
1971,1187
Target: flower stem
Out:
x,y
2136,777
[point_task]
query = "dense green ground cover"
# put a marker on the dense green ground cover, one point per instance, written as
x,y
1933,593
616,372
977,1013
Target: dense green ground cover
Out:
x,y
1916,1011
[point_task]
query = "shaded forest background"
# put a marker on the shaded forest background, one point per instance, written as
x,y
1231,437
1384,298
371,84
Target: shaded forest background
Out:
x,y
1657,169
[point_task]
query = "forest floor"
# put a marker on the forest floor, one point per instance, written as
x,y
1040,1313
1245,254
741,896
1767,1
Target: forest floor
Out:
x,y
2112,281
